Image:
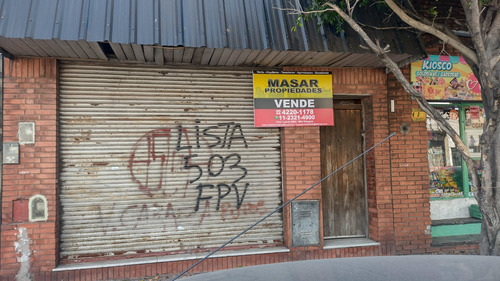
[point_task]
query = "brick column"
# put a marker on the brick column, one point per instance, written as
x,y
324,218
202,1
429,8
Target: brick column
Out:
x,y
30,95
410,175
301,169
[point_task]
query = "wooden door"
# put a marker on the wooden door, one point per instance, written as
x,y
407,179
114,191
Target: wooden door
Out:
x,y
344,193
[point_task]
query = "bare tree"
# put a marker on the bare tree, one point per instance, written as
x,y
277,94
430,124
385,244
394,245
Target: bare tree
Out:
x,y
482,19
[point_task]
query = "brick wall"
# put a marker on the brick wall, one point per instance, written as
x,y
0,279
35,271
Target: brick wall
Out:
x,y
397,171
30,95
370,85
171,269
410,175
301,169
398,210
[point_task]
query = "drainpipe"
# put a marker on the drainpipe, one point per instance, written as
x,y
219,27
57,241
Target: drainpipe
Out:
x,y
1,132
1,136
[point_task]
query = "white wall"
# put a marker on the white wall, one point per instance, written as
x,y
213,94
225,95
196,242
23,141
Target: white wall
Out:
x,y
451,208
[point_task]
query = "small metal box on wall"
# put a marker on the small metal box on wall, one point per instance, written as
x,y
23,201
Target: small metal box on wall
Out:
x,y
305,223
38,208
10,153
26,132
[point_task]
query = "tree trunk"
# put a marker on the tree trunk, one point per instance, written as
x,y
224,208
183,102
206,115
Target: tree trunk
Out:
x,y
488,200
488,197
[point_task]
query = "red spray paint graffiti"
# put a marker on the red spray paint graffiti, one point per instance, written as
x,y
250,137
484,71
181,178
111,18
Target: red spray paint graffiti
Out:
x,y
151,159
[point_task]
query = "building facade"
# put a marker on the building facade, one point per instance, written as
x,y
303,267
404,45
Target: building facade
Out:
x,y
123,159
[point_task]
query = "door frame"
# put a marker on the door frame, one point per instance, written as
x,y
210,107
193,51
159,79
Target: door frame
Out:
x,y
353,102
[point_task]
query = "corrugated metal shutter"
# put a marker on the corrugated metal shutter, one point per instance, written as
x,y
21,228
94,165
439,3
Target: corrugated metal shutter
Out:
x,y
163,160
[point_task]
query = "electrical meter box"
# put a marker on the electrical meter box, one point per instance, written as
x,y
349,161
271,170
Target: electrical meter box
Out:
x,y
11,153
305,223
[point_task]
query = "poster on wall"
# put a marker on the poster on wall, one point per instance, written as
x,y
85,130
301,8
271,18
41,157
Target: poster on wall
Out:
x,y
286,99
445,78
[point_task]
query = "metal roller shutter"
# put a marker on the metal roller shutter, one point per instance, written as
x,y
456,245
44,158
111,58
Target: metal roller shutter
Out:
x,y
158,159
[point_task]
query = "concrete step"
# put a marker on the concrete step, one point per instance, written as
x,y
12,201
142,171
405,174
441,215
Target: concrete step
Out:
x,y
455,231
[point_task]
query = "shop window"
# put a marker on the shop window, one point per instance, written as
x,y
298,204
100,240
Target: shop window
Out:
x,y
448,173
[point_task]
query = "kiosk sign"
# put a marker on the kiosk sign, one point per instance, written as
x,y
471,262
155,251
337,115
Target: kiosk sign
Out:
x,y
285,99
445,78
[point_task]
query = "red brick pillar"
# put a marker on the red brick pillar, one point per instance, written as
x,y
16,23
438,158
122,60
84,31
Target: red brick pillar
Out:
x,y
301,169
410,175
30,95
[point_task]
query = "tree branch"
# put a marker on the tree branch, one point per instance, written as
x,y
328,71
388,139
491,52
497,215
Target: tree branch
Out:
x,y
434,31
495,60
488,18
422,102
472,14
349,8
387,28
413,13
494,26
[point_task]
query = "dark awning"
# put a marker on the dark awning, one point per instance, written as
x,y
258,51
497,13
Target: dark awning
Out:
x,y
203,32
